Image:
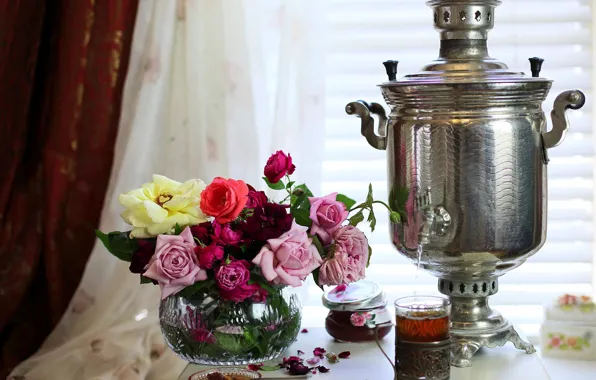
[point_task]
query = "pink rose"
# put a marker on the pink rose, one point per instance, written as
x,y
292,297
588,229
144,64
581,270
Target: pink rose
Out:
x,y
343,268
232,281
278,165
353,241
174,265
290,258
226,235
327,215
209,254
358,319
332,271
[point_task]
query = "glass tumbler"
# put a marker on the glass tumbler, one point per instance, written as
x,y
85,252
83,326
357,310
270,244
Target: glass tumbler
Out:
x,y
422,341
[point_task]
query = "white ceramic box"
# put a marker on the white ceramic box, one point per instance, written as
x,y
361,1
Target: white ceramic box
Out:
x,y
569,328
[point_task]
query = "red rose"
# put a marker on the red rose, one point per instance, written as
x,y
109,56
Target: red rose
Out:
x,y
226,235
203,232
224,199
232,281
141,257
278,165
256,199
209,254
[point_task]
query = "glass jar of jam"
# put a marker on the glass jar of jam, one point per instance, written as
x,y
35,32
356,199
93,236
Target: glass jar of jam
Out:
x,y
356,311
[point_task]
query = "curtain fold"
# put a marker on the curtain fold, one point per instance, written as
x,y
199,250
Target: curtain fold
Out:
x,y
62,68
207,94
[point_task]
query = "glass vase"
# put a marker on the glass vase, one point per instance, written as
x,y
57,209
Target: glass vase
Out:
x,y
205,330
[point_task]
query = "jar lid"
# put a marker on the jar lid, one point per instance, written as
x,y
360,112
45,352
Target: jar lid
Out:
x,y
355,296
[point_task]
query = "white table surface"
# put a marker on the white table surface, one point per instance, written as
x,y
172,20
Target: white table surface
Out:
x,y
367,363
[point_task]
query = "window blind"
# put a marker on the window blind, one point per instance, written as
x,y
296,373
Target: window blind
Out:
x,y
364,33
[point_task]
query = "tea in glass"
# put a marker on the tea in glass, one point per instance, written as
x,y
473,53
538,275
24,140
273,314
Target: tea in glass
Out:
x,y
422,319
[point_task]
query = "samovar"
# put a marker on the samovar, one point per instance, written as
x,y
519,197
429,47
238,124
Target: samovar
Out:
x,y
467,150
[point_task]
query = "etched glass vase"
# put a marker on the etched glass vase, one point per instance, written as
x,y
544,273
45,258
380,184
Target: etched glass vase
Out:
x,y
205,330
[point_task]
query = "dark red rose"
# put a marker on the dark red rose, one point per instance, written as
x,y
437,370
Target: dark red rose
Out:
x,y
278,165
232,281
140,258
225,235
208,255
297,368
203,232
292,359
256,199
267,222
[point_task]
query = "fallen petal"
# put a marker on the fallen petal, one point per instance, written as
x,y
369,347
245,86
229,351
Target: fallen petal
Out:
x,y
323,369
319,351
304,331
255,367
344,355
300,352
314,360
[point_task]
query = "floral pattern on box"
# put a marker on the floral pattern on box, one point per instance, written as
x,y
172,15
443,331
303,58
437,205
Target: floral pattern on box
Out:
x,y
558,341
570,302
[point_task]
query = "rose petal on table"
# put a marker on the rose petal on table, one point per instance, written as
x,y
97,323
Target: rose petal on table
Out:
x,y
304,331
344,355
300,352
319,351
314,360
255,367
323,369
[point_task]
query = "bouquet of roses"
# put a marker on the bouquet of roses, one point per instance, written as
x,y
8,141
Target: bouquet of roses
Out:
x,y
232,242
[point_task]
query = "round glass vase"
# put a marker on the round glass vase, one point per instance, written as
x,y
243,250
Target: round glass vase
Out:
x,y
205,330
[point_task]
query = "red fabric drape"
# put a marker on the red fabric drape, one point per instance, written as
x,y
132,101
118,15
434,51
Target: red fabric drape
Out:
x,y
62,69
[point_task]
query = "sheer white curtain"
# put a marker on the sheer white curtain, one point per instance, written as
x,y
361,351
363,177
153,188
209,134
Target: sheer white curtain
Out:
x,y
213,88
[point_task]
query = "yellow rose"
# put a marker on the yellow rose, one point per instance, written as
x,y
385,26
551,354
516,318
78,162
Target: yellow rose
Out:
x,y
158,206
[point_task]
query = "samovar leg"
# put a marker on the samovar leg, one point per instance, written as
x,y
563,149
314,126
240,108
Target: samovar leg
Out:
x,y
519,343
462,352
473,323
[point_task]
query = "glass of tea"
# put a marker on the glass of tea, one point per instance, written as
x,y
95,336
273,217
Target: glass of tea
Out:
x,y
422,319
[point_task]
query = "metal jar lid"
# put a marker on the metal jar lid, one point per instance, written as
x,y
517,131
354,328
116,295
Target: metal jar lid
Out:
x,y
361,295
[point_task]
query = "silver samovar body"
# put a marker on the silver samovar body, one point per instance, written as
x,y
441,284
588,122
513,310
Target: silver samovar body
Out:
x,y
467,150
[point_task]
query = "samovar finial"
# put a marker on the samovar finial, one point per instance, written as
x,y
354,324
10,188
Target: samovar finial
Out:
x,y
464,19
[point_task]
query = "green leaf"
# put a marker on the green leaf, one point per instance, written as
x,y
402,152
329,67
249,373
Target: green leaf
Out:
x,y
177,229
191,290
269,368
369,197
550,347
119,244
372,220
578,348
315,277
302,217
357,218
563,347
265,285
290,184
300,202
395,217
369,256
550,335
275,186
146,280
317,243
348,202
303,189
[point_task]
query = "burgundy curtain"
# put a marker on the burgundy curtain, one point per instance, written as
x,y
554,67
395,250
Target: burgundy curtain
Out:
x,y
62,69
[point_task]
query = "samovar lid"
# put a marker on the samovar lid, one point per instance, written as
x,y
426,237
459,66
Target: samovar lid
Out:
x,y
463,58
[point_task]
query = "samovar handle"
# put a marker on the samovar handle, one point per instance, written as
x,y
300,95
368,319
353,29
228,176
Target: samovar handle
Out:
x,y
573,99
363,110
